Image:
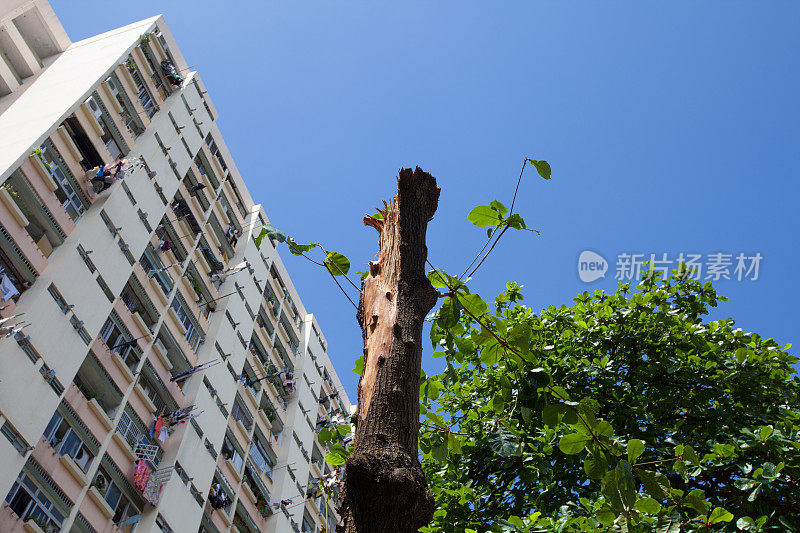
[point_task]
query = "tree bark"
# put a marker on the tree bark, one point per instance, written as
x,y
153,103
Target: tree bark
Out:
x,y
384,487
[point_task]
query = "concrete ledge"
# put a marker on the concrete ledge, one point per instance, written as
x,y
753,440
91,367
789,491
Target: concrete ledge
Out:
x,y
247,490
115,357
70,143
236,473
126,448
145,398
74,470
94,406
178,323
13,208
32,527
225,517
44,173
101,503
162,356
140,322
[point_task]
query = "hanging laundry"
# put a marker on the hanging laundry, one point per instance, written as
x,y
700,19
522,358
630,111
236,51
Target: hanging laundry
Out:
x,y
10,331
3,320
8,288
186,373
125,345
286,502
217,497
162,435
289,383
198,187
159,425
163,245
215,264
141,475
169,71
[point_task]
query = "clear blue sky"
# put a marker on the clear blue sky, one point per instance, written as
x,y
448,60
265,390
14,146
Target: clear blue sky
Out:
x,y
671,127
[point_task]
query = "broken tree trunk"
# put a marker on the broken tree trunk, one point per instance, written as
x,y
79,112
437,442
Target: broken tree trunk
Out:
x,y
384,487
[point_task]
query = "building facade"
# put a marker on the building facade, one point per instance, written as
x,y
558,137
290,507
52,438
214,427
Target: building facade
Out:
x,y
158,371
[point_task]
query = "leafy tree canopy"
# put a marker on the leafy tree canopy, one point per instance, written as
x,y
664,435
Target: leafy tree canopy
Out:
x,y
625,412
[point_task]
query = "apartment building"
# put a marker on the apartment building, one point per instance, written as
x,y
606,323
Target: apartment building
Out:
x,y
158,371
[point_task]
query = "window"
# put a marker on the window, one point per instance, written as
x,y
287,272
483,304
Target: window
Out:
x,y
85,256
129,117
154,267
60,301
232,454
28,501
239,412
93,104
114,497
105,289
125,249
174,123
193,333
113,335
66,441
67,191
263,457
162,525
14,438
143,94
128,193
107,221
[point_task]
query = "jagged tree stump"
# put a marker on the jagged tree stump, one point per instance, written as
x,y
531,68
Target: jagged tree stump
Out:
x,y
384,487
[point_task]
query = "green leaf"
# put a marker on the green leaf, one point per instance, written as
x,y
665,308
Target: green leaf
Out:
x,y
483,216
606,515
299,249
272,232
442,280
338,265
626,483
359,369
596,464
491,353
337,455
551,412
696,499
499,207
655,483
517,521
573,443
542,167
719,515
690,456
766,432
538,378
453,443
325,435
635,449
473,303
668,524
516,221
440,452
647,505
503,442
498,404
